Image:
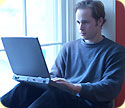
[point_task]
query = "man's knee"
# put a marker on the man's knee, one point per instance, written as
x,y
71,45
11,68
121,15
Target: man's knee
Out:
x,y
21,93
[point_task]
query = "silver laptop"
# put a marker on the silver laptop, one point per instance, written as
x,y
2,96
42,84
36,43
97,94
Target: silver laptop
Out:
x,y
27,61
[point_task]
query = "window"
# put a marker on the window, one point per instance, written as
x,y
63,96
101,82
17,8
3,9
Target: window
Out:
x,y
11,18
46,19
11,24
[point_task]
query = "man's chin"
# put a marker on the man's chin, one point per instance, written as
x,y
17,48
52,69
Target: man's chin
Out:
x,y
84,37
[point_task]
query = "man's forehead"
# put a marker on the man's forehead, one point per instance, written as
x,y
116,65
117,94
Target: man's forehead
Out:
x,y
83,13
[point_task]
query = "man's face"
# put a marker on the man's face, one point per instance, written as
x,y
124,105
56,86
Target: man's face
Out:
x,y
88,27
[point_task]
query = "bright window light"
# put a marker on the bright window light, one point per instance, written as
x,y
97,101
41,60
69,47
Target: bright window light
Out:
x,y
37,18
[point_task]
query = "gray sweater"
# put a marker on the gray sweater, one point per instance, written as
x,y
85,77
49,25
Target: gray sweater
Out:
x,y
99,68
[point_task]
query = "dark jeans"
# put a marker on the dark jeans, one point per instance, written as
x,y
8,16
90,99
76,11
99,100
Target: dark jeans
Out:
x,y
27,96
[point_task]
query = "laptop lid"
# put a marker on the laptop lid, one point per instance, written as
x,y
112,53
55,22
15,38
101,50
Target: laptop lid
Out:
x,y
25,56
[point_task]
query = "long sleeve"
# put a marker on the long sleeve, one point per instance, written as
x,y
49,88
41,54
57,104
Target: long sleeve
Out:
x,y
99,68
58,68
110,85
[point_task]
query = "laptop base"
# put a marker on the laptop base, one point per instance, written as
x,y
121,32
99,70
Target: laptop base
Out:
x,y
31,79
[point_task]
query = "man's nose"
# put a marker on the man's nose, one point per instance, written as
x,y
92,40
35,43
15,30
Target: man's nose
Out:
x,y
81,26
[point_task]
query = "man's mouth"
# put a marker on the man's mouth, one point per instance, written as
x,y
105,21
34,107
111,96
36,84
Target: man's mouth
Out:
x,y
82,34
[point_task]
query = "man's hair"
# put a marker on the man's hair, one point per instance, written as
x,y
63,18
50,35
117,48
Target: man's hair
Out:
x,y
96,7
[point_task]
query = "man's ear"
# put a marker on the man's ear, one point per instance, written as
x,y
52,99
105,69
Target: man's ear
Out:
x,y
100,21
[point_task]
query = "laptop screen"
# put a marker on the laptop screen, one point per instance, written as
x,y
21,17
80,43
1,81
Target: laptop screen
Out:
x,y
25,56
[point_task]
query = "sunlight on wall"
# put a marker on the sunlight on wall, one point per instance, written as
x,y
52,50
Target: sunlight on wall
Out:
x,y
2,1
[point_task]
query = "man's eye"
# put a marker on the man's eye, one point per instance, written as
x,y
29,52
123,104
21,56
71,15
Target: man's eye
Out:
x,y
85,22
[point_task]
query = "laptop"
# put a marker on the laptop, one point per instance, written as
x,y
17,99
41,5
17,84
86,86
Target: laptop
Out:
x,y
27,61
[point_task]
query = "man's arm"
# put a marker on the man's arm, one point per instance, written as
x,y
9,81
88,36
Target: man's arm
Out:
x,y
107,88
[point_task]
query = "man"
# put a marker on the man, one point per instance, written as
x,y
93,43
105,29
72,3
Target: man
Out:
x,y
91,67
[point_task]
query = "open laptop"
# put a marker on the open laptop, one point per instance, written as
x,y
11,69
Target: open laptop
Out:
x,y
27,61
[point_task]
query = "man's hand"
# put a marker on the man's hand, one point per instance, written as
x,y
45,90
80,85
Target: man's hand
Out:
x,y
74,87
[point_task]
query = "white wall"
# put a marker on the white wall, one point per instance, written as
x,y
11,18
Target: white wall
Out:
x,y
109,27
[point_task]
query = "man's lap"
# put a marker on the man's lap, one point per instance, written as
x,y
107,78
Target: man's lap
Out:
x,y
26,95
